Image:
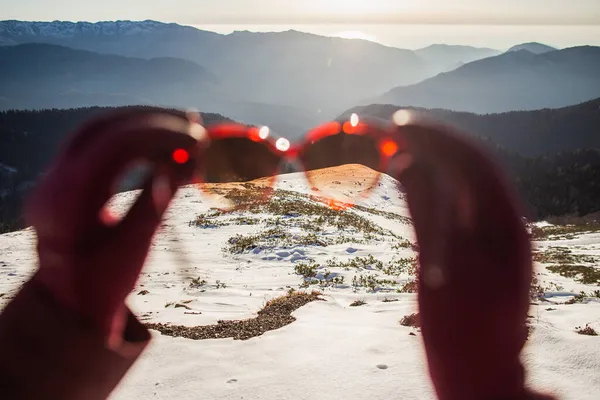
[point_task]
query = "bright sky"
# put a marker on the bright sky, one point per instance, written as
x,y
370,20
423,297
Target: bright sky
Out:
x,y
401,23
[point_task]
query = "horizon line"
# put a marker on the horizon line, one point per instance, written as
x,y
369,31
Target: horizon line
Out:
x,y
351,20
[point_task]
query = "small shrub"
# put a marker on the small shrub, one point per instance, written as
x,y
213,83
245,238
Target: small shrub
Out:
x,y
245,221
409,287
578,298
371,282
405,244
357,303
386,300
588,330
208,220
411,320
220,285
197,282
240,243
400,266
308,271
536,291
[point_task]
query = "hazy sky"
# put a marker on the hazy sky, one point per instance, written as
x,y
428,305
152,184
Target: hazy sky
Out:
x,y
402,23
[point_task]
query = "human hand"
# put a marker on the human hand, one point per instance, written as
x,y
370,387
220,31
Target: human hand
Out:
x,y
89,259
475,265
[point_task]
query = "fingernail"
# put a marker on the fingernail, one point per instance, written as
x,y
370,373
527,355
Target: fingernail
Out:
x,y
161,192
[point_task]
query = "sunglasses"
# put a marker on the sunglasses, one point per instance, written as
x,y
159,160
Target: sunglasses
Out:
x,y
239,154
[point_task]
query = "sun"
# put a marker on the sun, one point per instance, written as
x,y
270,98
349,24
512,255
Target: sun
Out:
x,y
356,35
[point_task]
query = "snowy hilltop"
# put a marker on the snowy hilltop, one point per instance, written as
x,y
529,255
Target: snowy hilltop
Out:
x,y
212,275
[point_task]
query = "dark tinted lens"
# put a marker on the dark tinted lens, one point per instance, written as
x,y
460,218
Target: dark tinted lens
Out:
x,y
238,160
342,166
342,149
237,172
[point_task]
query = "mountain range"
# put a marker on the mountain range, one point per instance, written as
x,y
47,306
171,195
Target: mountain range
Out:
x,y
289,68
289,80
528,133
515,80
315,75
49,76
449,57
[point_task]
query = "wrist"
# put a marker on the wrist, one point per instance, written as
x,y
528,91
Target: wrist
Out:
x,y
106,320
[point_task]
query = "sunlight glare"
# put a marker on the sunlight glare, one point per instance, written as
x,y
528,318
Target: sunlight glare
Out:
x,y
356,35
263,132
401,117
282,144
388,148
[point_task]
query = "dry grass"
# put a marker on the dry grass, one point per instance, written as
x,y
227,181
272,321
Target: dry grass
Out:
x,y
555,232
562,255
274,315
409,287
357,303
581,273
386,300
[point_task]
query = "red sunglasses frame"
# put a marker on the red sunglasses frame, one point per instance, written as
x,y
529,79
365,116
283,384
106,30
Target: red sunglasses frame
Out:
x,y
384,135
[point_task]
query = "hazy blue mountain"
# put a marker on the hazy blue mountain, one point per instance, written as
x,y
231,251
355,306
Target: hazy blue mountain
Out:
x,y
529,133
289,68
49,76
534,47
443,57
518,80
38,76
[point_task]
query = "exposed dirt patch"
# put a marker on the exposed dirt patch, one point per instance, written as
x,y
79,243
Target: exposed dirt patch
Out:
x,y
274,315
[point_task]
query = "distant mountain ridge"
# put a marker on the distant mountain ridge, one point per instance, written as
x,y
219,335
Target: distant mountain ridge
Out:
x,y
40,76
50,76
288,68
517,80
528,133
550,184
533,47
319,74
450,57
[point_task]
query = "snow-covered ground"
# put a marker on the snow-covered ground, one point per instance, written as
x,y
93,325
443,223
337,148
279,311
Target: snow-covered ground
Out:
x,y
332,351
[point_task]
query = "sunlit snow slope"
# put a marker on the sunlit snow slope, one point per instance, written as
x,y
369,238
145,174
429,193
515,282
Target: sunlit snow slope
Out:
x,y
207,266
